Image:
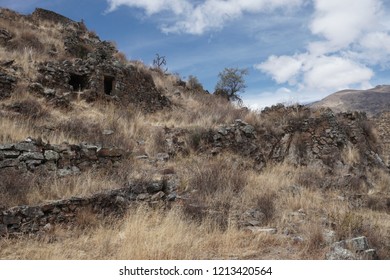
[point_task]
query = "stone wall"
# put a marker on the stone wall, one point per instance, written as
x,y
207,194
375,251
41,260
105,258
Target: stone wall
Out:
x,y
42,218
64,159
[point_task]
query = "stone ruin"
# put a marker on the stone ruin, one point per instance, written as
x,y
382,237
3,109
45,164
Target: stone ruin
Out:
x,y
88,69
40,219
64,159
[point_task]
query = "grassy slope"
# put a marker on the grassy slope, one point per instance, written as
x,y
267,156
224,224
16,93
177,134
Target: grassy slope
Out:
x,y
226,184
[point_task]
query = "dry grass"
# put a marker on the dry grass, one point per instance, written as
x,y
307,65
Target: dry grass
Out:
x,y
144,234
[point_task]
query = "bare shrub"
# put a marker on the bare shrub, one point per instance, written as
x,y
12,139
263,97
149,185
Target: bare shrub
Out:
x,y
81,129
347,225
30,108
266,204
214,186
14,187
27,39
196,136
194,84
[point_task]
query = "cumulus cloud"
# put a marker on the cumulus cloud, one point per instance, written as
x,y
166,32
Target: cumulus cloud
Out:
x,y
342,22
198,17
284,68
350,39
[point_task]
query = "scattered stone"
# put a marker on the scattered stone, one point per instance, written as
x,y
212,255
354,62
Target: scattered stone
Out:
x,y
154,187
254,229
358,244
158,196
162,157
109,152
107,132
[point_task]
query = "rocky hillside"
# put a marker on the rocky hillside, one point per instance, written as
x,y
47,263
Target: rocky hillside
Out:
x,y
95,148
372,101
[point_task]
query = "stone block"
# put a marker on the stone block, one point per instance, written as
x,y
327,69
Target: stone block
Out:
x,y
31,156
27,147
51,155
11,219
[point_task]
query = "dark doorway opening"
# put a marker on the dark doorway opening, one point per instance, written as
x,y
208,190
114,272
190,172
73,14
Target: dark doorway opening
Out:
x,y
78,82
108,84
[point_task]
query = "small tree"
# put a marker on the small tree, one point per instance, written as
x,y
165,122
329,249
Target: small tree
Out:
x,y
160,61
231,83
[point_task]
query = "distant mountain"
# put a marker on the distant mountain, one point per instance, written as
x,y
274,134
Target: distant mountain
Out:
x,y
372,101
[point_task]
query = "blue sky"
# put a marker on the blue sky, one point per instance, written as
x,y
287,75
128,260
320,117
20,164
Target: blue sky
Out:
x,y
295,50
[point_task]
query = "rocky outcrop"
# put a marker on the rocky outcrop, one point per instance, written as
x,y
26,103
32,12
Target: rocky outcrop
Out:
x,y
7,84
64,159
352,249
318,138
42,218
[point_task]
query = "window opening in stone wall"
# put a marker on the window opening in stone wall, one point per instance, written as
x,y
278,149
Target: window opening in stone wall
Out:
x,y
108,84
78,82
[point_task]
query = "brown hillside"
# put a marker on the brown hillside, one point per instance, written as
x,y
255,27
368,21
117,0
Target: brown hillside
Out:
x,y
99,150
372,101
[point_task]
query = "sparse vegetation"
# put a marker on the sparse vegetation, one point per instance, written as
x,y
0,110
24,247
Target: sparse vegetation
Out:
x,y
225,197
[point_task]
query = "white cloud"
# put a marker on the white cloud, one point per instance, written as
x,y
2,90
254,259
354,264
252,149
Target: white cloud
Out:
x,y
198,17
333,72
316,72
342,22
351,37
284,69
151,6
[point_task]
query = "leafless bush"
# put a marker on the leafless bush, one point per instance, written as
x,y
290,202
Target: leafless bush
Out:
x,y
347,225
14,187
215,185
266,204
30,108
196,136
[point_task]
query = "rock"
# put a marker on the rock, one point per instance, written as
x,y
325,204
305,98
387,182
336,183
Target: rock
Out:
x,y
6,146
329,236
222,130
155,187
51,155
248,130
68,171
358,244
142,157
162,157
143,196
171,197
48,227
254,229
339,253
370,254
10,154
109,152
32,212
11,220
107,132
158,196
31,156
9,163
27,147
